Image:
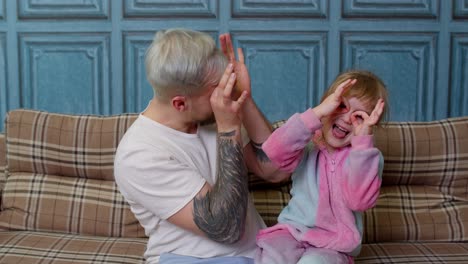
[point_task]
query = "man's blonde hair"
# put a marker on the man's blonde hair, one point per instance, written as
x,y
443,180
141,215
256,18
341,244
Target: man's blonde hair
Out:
x,y
183,62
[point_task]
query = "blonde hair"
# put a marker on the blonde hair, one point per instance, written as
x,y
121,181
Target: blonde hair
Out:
x,y
183,62
369,88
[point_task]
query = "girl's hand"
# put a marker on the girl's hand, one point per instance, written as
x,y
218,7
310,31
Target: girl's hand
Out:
x,y
226,109
334,100
363,123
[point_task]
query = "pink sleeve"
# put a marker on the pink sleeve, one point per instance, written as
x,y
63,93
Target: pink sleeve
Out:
x,y
286,144
364,168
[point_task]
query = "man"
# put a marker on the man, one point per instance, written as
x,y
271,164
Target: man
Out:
x,y
183,164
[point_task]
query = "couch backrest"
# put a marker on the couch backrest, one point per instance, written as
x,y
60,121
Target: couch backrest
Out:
x,y
424,196
60,175
426,153
67,145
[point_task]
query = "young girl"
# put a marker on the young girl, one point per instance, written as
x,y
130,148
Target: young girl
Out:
x,y
337,174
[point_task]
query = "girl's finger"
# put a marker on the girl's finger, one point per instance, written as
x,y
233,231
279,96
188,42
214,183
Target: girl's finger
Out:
x,y
240,53
228,89
359,117
378,110
345,86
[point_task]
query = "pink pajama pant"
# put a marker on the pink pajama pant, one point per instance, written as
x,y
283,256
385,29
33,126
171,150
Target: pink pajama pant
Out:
x,y
280,247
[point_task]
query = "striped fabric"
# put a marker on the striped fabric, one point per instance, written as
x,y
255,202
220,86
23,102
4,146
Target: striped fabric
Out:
x,y
2,164
36,247
60,179
66,145
424,195
38,202
407,252
43,148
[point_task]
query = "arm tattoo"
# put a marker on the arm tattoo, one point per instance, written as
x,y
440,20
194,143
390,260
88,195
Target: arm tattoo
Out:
x,y
221,213
259,153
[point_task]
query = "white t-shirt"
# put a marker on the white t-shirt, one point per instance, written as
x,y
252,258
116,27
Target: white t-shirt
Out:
x,y
159,170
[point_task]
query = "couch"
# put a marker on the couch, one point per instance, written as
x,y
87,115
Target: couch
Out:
x,y
60,204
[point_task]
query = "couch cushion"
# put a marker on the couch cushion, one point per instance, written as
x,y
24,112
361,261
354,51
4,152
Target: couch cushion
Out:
x,y
270,202
39,202
413,253
416,213
424,194
66,145
37,247
426,153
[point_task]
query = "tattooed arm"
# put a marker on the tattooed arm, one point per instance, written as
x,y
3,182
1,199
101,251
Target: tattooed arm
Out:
x,y
259,129
221,213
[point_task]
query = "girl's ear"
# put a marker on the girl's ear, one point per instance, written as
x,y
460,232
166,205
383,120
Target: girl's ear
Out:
x,y
179,103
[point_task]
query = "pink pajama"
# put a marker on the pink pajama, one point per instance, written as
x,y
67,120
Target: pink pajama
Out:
x,y
280,247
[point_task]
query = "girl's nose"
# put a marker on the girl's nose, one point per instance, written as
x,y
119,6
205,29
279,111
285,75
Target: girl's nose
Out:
x,y
347,117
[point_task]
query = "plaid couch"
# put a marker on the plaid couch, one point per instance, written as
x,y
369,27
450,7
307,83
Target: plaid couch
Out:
x,y
59,203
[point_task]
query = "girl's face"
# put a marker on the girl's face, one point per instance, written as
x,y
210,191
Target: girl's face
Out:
x,y
337,129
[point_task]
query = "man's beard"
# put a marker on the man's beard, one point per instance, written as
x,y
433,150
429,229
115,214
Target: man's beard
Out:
x,y
208,121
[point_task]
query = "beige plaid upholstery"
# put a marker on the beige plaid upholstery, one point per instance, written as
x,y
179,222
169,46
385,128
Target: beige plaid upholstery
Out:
x,y
36,247
44,147
2,165
421,212
66,145
424,196
430,252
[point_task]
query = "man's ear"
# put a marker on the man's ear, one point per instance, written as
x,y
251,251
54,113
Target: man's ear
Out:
x,y
179,103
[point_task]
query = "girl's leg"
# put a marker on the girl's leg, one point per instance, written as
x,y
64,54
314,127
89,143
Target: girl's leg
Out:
x,y
314,255
278,247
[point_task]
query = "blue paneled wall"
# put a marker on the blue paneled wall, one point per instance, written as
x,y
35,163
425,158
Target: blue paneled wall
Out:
x,y
87,56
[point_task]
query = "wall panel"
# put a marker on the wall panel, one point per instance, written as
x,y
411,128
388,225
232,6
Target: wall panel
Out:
x,y
87,56
281,8
459,82
173,9
460,9
286,71
406,63
3,77
65,73
391,9
63,9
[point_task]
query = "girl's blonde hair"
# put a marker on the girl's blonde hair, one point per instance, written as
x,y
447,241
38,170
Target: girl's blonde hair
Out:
x,y
368,88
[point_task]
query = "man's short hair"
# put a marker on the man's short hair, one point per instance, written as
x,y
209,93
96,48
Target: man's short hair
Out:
x,y
183,62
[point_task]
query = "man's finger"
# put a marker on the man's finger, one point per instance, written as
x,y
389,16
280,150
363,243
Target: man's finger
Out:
x,y
225,77
240,53
242,97
230,49
228,89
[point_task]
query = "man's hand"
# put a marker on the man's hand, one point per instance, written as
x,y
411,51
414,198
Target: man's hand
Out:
x,y
334,100
242,75
226,109
363,123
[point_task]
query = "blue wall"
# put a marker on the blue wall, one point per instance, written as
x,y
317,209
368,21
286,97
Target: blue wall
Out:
x,y
87,56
